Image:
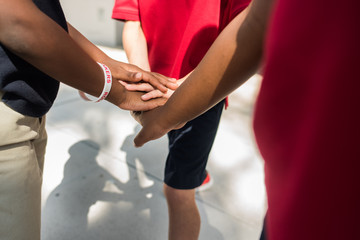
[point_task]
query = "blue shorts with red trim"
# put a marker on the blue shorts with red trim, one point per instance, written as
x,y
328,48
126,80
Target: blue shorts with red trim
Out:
x,y
189,149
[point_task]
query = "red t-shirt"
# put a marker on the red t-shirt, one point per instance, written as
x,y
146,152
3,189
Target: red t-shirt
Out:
x,y
178,33
307,120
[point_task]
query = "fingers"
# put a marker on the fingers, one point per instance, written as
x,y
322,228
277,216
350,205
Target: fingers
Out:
x,y
140,105
131,73
142,87
132,101
159,82
155,80
148,133
152,132
145,87
171,83
135,74
143,137
151,95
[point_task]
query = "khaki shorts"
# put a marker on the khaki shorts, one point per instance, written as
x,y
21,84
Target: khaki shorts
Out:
x,y
22,149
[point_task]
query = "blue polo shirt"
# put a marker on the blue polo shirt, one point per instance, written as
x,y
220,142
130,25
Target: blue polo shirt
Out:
x,y
28,90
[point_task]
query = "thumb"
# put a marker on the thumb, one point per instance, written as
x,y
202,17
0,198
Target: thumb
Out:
x,y
147,134
141,138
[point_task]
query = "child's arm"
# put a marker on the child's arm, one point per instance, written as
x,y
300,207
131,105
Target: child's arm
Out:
x,y
118,68
135,44
155,93
232,59
33,36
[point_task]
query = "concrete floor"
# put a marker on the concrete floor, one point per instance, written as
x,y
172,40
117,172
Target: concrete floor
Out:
x,y
98,186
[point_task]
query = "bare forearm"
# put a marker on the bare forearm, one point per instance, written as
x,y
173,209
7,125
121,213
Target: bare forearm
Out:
x,y
93,51
232,59
40,41
135,44
71,58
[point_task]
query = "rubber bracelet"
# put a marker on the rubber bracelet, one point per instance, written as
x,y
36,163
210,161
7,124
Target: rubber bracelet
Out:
x,y
106,89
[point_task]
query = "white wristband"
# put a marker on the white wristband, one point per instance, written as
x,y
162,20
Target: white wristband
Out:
x,y
107,86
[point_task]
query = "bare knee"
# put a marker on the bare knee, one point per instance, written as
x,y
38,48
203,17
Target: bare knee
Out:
x,y
179,196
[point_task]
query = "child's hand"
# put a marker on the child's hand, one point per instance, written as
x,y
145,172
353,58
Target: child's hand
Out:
x,y
132,101
151,93
154,125
133,74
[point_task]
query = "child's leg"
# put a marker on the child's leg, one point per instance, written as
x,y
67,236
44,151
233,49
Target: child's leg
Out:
x,y
184,217
22,149
189,149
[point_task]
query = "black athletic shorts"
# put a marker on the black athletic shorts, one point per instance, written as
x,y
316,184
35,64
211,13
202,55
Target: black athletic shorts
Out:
x,y
189,149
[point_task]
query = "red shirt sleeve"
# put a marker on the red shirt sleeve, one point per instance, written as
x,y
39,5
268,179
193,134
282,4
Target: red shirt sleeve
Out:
x,y
237,7
126,10
230,9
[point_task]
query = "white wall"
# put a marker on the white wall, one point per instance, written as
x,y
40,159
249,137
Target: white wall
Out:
x,y
93,19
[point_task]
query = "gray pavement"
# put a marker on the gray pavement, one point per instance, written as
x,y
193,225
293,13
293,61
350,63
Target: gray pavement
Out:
x,y
98,186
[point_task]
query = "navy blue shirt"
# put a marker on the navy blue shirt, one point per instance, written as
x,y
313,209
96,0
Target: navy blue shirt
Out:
x,y
28,90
